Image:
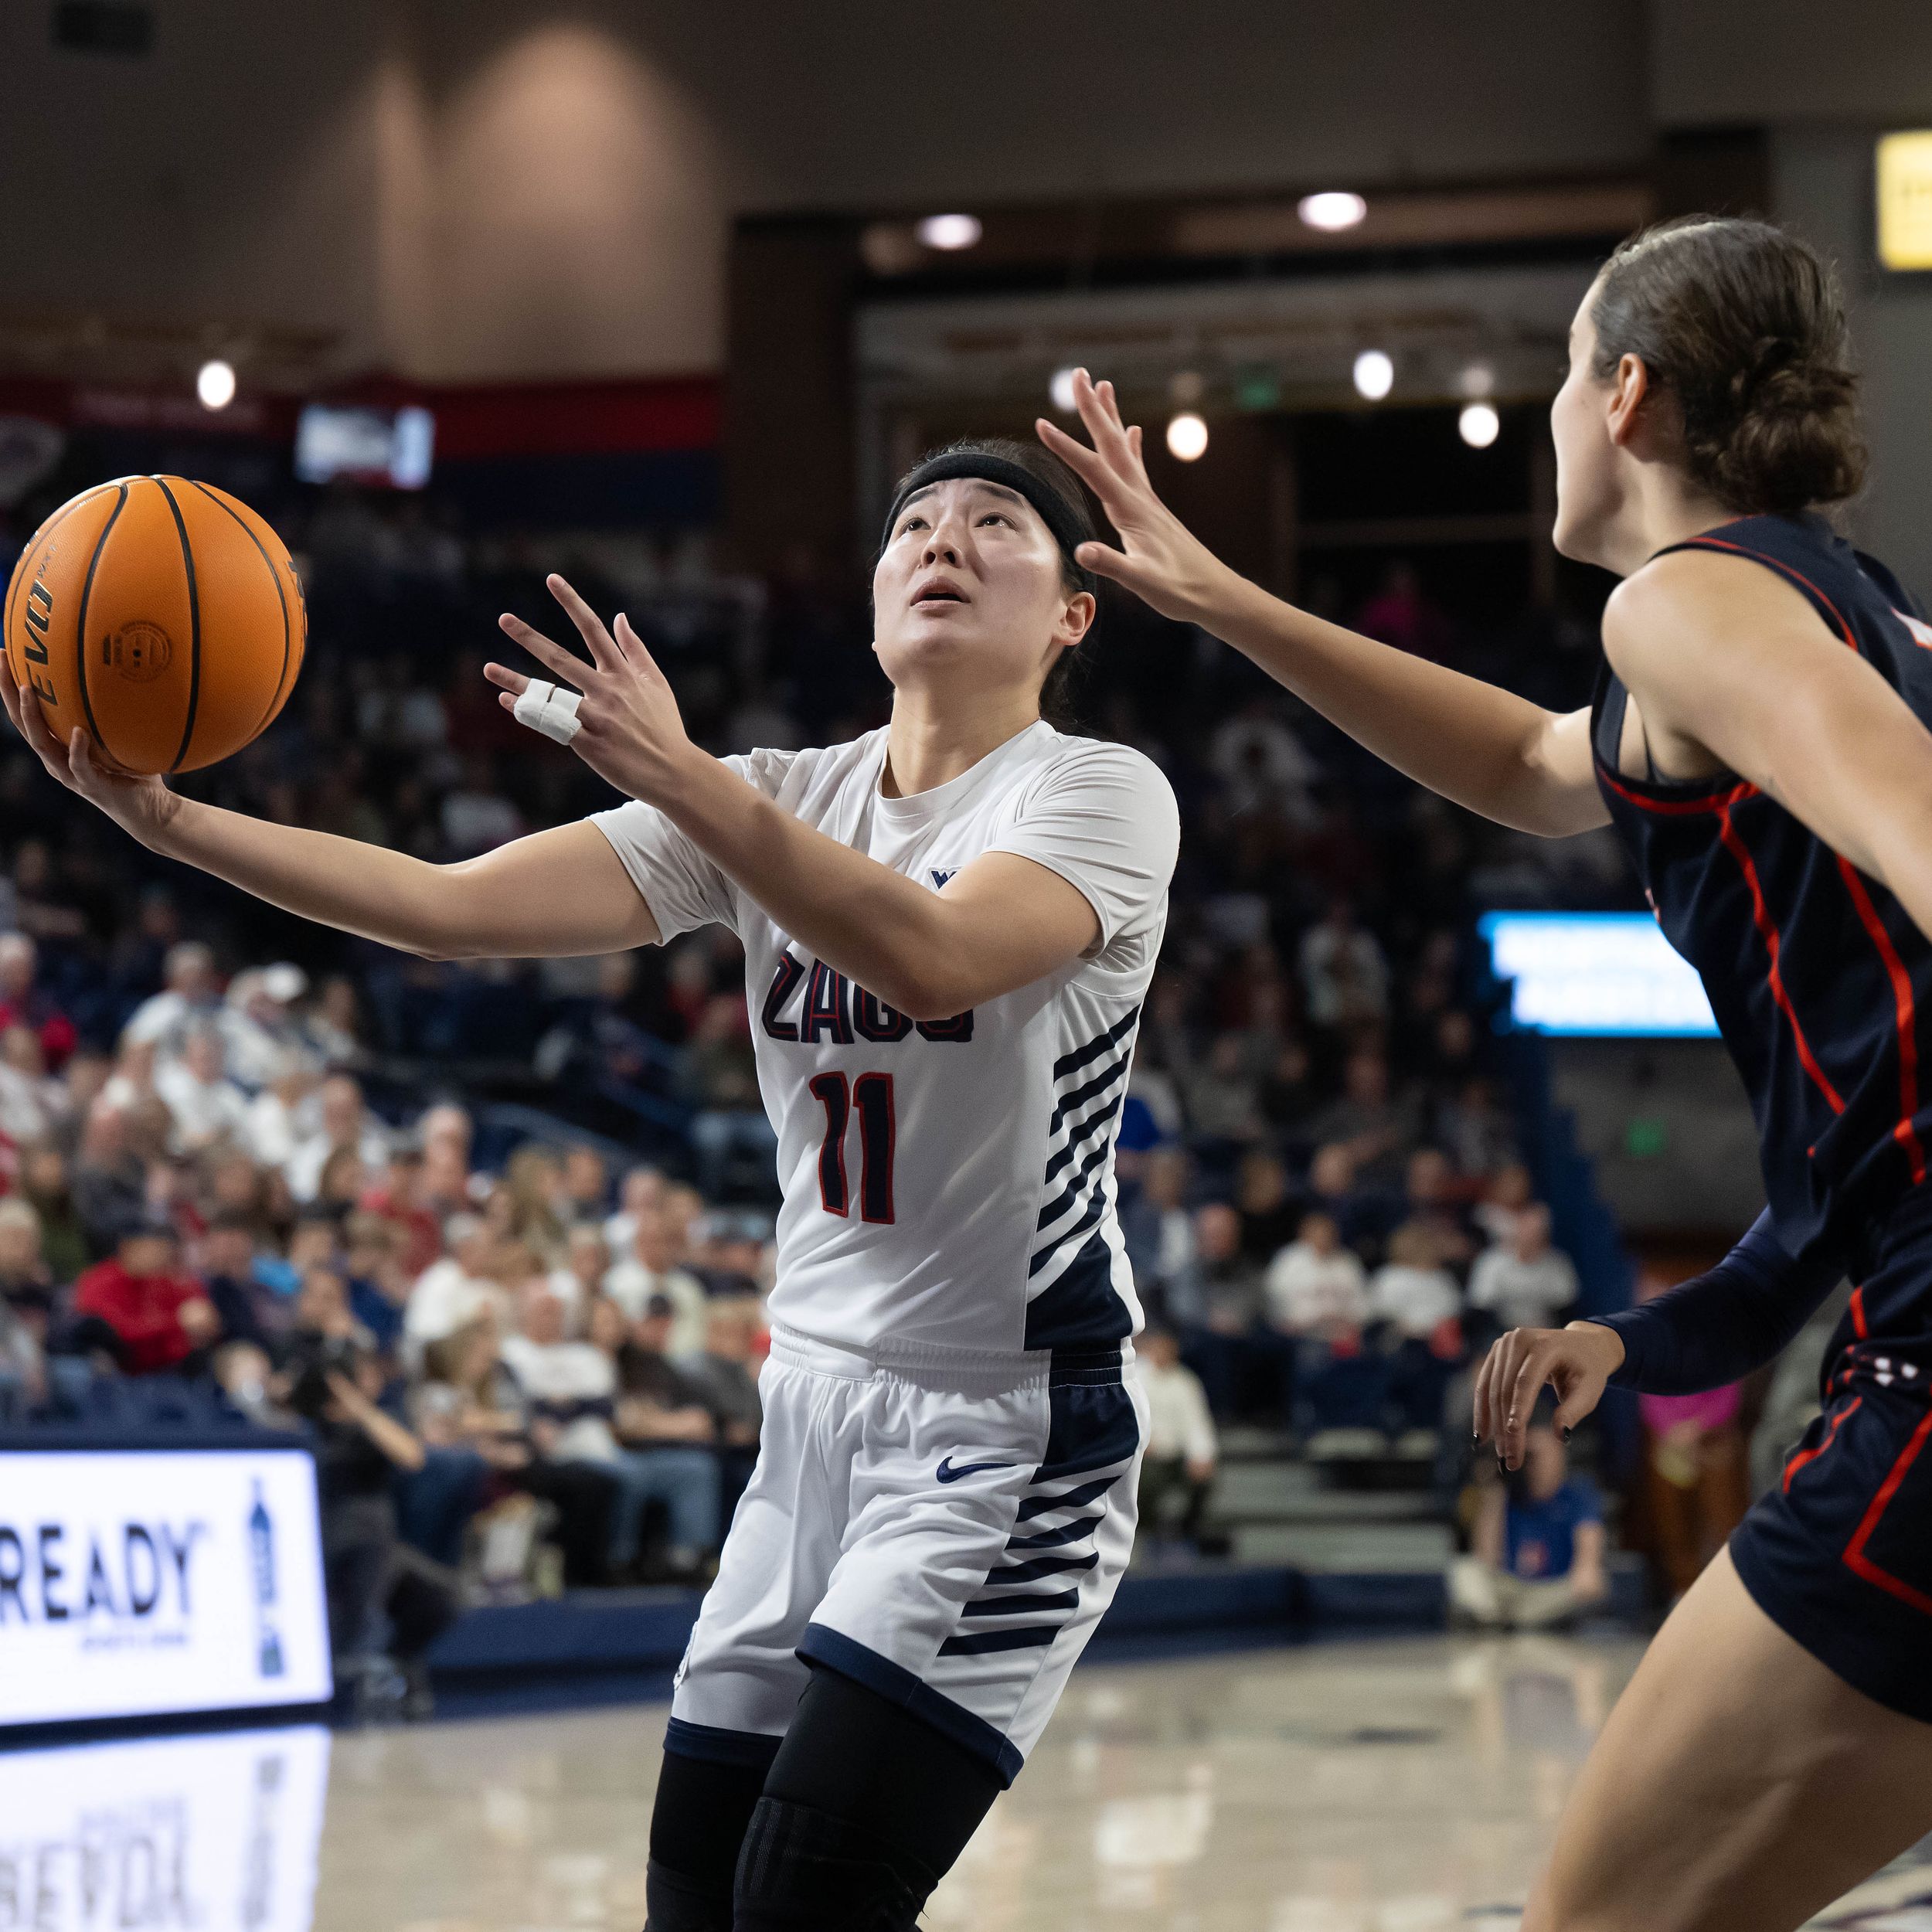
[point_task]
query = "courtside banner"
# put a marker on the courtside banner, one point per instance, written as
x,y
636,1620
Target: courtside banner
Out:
x,y
205,1834
136,1582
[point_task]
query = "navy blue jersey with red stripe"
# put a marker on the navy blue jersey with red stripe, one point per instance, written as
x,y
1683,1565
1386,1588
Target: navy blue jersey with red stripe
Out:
x,y
1816,975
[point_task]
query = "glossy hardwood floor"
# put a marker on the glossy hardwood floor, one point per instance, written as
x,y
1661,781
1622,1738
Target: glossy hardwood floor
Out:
x,y
1373,1786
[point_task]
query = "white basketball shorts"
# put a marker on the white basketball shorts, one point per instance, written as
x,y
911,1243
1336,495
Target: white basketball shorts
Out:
x,y
946,1534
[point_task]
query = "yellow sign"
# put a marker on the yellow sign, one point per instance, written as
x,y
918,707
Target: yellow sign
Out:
x,y
1905,200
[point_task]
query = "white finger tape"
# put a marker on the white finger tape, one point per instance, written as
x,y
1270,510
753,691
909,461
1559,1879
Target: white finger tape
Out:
x,y
549,708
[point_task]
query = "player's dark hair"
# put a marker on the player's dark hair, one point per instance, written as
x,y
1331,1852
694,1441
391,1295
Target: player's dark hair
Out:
x,y
1745,326
1060,692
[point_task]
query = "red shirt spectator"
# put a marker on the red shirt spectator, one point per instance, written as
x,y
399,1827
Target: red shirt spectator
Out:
x,y
160,1317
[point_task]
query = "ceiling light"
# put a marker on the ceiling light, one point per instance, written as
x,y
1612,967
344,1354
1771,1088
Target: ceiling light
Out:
x,y
1479,425
951,232
215,384
1331,212
1187,437
1374,375
1061,390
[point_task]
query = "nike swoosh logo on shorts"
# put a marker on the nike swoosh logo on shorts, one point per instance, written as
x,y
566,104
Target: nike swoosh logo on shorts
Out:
x,y
946,1473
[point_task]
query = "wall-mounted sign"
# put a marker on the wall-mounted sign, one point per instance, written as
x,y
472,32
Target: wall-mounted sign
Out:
x,y
1905,200
133,1582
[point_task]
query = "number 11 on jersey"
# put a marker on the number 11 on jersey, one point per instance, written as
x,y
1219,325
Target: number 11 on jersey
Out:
x,y
871,1096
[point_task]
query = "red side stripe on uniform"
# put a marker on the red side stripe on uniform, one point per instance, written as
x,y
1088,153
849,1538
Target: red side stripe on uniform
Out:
x,y
1767,931
1804,1456
1857,1312
1855,1559
1797,577
1905,1133
1677,807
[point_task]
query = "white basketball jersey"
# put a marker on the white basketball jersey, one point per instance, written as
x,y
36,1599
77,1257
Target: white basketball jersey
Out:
x,y
948,1185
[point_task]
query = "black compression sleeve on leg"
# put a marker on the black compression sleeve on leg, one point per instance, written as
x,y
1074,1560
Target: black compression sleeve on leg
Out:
x,y
858,1781
697,1826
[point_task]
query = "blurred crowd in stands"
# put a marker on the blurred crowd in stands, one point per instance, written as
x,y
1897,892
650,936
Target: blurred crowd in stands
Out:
x,y
496,1233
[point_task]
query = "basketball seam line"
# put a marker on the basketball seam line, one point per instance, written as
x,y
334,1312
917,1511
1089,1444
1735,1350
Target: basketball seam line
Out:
x,y
80,620
281,597
194,623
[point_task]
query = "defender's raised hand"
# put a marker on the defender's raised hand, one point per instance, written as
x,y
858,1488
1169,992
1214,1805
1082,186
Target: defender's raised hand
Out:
x,y
1160,561
628,730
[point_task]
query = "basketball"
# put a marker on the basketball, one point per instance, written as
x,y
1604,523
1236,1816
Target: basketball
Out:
x,y
162,617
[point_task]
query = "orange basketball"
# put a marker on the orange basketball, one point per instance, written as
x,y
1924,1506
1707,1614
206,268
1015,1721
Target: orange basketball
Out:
x,y
162,617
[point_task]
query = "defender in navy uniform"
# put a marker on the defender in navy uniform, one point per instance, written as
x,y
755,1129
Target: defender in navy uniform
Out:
x,y
1759,740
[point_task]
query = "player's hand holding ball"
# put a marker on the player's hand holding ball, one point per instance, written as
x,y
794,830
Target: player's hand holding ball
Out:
x,y
153,624
1161,560
625,725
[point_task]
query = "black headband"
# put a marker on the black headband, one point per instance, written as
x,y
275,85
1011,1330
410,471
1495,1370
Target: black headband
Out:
x,y
1069,528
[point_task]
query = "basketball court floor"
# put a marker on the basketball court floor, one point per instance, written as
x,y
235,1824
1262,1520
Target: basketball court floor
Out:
x,y
1405,1785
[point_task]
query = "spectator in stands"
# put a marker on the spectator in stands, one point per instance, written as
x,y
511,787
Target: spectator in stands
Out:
x,y
724,1377
1262,765
399,1198
23,1384
1399,614
204,1105
459,1288
1158,1229
1344,976
344,1125
1508,1192
1524,1282
1432,1203
584,1197
42,1184
22,1003
534,1182
1417,1301
1291,1098
260,1028
189,993
580,1280
1217,1301
1224,1105
1316,1287
25,1279
160,1316
651,1269
1269,1211
26,1296
1377,1129
447,1135
642,1188
730,1127
1182,1449
667,1431
1536,1552
379,1283
33,1106
467,1399
253,1303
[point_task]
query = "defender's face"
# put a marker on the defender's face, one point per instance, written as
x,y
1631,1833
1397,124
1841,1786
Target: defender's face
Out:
x,y
1586,486
971,577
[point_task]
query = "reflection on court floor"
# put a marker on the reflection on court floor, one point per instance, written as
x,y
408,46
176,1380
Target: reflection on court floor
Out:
x,y
1391,1786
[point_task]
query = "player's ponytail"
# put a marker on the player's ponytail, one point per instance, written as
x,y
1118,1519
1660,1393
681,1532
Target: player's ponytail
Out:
x,y
1744,325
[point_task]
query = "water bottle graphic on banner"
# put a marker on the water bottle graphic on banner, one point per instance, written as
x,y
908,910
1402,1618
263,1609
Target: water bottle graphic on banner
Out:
x,y
261,1546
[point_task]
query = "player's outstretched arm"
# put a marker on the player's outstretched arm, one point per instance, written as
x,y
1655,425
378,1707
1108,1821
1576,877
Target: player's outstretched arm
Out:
x,y
1485,748
1003,923
556,894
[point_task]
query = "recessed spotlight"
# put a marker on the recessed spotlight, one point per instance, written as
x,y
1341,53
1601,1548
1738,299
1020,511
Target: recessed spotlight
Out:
x,y
1331,212
1374,375
1479,425
951,232
215,384
1187,437
1061,390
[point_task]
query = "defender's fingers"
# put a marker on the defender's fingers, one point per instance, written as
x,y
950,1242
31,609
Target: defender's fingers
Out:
x,y
1485,1420
590,625
513,681
1521,1396
553,656
1086,463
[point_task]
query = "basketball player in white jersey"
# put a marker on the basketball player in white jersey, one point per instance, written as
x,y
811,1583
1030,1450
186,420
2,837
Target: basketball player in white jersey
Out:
x,y
949,927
